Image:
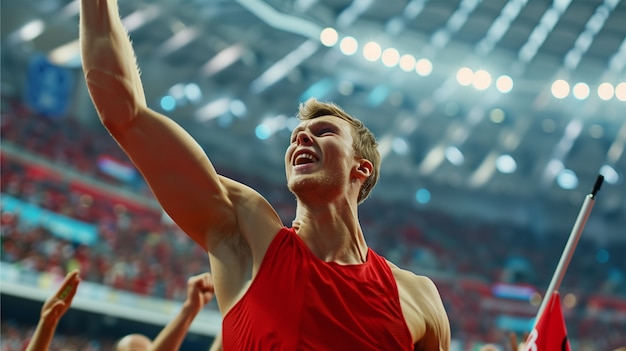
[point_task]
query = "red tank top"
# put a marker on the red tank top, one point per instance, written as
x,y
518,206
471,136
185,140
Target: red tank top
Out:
x,y
299,302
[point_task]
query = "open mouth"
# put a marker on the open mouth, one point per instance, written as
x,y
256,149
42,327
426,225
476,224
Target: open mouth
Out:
x,y
304,158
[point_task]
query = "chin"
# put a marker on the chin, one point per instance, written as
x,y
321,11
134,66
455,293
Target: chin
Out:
x,y
302,183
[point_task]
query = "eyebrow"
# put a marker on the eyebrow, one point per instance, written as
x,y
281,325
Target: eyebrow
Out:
x,y
315,123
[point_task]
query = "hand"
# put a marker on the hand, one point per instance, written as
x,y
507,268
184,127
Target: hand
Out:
x,y
200,291
515,346
56,305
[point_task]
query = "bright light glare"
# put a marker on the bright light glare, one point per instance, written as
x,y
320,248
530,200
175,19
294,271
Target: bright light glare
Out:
x,y
177,91
348,46
610,174
31,30
400,146
465,76
567,179
504,84
620,91
237,108
329,37
193,92
454,155
581,91
482,79
506,164
213,109
424,67
407,62
168,103
422,196
372,51
560,89
262,131
67,55
390,57
606,91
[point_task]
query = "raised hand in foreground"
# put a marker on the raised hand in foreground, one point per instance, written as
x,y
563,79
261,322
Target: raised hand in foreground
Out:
x,y
53,309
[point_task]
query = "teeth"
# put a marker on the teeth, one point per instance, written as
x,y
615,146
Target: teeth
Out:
x,y
310,157
305,156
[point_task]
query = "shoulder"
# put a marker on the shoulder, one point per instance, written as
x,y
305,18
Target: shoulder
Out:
x,y
251,205
413,283
423,308
254,222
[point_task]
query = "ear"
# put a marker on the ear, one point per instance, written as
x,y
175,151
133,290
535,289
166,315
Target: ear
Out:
x,y
364,169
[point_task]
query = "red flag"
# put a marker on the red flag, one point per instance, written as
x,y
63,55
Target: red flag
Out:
x,y
550,333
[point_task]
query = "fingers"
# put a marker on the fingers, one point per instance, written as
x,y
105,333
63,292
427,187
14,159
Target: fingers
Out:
x,y
202,282
68,288
59,308
207,296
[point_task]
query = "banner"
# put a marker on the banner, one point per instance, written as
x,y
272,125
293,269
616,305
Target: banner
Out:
x,y
549,333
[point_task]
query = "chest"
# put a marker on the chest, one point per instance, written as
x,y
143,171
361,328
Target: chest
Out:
x,y
357,305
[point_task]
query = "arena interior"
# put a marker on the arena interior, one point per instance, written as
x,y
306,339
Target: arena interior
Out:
x,y
494,119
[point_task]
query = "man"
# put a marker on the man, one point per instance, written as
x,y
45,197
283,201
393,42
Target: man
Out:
x,y
133,342
315,286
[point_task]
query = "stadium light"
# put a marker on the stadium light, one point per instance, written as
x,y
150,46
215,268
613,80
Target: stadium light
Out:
x,y
424,67
560,89
620,91
504,84
390,57
372,51
348,46
465,76
606,91
482,80
581,91
329,37
407,62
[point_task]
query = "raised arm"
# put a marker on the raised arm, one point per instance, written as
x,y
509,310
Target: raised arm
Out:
x,y
199,293
217,343
202,203
53,309
176,168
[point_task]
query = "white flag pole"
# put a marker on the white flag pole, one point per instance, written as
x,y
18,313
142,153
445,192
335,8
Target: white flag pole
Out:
x,y
579,225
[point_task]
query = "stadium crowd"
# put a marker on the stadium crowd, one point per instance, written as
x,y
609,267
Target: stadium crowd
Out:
x,y
139,250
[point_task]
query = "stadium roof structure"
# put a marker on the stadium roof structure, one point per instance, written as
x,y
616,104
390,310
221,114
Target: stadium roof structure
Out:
x,y
505,109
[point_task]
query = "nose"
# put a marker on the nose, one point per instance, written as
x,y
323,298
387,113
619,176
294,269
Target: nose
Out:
x,y
303,138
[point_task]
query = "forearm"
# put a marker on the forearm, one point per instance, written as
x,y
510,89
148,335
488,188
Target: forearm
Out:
x,y
109,63
42,337
172,336
217,343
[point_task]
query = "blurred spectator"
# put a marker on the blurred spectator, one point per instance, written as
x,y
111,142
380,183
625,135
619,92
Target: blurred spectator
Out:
x,y
139,251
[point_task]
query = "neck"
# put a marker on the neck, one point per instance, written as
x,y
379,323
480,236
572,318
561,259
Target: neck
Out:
x,y
332,231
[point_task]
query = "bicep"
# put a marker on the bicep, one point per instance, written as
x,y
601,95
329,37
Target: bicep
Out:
x,y
433,329
178,172
437,323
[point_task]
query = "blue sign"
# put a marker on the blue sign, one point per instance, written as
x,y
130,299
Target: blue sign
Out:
x,y
59,225
48,87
